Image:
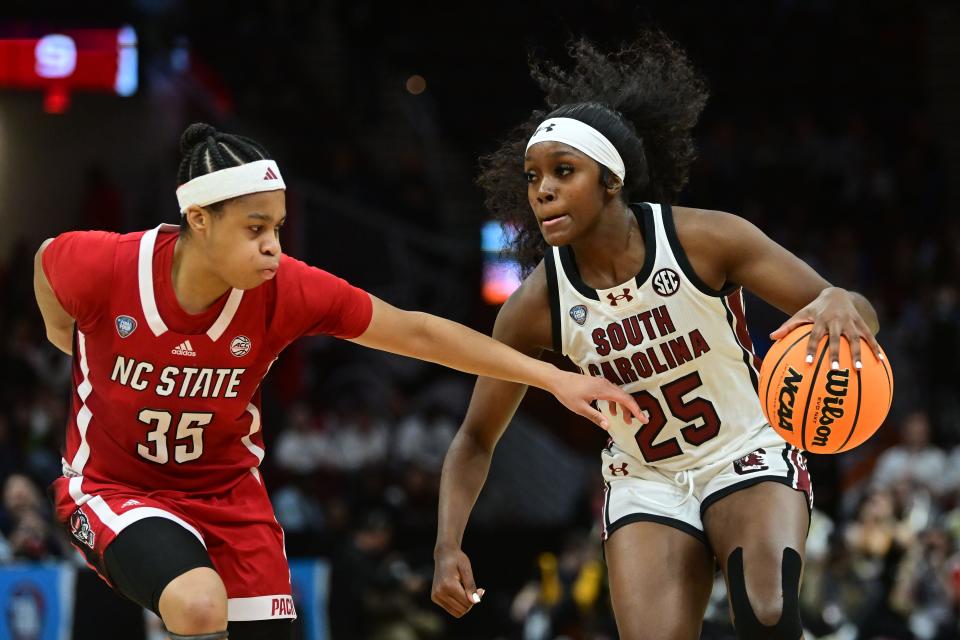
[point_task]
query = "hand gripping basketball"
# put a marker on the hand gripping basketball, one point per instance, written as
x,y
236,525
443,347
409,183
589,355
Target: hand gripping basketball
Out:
x,y
832,314
827,404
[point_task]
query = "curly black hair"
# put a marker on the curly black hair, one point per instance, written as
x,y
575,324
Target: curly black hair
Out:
x,y
645,98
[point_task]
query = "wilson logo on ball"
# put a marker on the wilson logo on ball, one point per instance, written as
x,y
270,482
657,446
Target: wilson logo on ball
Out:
x,y
837,384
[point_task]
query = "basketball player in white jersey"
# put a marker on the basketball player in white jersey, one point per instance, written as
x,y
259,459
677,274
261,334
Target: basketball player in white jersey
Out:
x,y
649,296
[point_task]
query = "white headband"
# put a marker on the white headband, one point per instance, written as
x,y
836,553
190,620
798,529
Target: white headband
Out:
x,y
262,175
582,137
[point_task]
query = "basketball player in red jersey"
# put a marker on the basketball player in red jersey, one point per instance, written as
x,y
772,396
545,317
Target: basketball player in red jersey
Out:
x,y
172,331
649,296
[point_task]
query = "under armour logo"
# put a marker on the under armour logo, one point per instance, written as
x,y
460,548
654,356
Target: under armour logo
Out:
x,y
615,298
270,175
548,128
619,471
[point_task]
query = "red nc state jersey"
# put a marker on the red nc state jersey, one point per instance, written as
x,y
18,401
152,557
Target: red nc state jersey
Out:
x,y
167,400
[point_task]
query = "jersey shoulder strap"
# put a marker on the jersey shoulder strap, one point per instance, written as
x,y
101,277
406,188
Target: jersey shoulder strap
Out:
x,y
671,245
553,292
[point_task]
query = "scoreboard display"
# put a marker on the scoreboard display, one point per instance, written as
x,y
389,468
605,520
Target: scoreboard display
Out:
x,y
68,60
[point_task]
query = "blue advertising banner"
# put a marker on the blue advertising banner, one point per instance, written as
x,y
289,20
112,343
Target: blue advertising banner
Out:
x,y
311,582
36,601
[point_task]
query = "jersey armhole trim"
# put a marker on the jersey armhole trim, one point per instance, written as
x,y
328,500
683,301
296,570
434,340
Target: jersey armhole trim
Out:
x,y
554,294
681,257
746,350
644,214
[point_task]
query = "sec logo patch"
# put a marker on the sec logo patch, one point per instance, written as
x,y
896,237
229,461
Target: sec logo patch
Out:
x,y
666,282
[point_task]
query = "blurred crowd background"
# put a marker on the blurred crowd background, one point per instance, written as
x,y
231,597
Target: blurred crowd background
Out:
x,y
833,125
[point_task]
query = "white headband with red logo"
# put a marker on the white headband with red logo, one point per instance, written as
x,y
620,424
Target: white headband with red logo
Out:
x,y
253,177
582,137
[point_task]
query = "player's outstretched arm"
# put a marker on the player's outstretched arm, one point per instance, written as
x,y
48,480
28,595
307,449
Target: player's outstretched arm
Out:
x,y
434,339
58,322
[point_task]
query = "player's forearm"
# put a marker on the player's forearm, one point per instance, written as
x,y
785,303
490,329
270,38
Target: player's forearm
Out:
x,y
453,345
434,339
464,472
58,323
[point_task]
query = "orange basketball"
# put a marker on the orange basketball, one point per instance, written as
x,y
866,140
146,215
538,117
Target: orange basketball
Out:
x,y
817,408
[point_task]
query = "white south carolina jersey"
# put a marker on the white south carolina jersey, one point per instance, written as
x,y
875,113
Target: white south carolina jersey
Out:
x,y
681,348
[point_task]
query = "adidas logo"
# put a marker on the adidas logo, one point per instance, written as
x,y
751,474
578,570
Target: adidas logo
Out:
x,y
269,175
184,349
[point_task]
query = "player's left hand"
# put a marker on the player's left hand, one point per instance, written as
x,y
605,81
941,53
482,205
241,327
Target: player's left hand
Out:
x,y
832,313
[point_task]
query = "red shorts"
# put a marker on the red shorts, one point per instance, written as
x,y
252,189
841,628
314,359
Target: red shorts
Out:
x,y
237,528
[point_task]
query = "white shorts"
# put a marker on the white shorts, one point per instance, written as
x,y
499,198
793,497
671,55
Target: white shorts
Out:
x,y
637,492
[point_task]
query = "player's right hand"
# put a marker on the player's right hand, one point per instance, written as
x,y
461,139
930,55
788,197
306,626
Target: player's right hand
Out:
x,y
453,586
577,392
